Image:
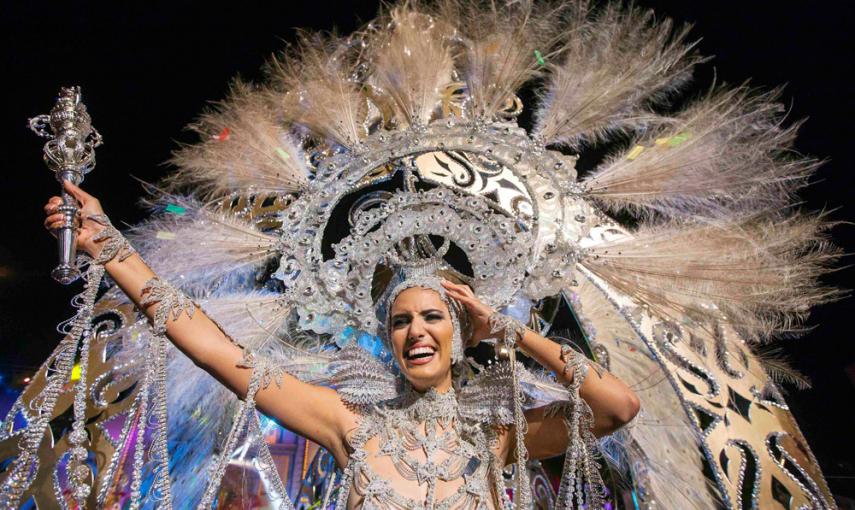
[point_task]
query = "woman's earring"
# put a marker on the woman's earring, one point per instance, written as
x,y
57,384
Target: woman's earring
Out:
x,y
456,343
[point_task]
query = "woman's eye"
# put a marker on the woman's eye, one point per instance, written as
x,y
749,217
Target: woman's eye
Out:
x,y
434,317
399,322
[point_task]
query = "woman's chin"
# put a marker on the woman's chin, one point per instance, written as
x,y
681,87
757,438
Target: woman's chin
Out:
x,y
424,373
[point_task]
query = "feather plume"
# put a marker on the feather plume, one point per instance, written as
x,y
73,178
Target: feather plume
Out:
x,y
250,318
412,63
197,246
319,91
616,65
541,388
728,152
200,411
760,273
775,362
242,148
501,47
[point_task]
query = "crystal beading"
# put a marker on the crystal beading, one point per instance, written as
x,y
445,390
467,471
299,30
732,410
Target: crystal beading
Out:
x,y
113,242
172,301
511,329
582,483
427,441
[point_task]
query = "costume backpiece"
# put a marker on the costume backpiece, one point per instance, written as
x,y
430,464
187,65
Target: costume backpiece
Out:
x,y
677,255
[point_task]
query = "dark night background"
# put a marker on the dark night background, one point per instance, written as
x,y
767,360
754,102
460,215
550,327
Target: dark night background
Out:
x,y
148,68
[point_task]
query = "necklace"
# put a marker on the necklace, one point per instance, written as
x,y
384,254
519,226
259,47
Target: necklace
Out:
x,y
427,442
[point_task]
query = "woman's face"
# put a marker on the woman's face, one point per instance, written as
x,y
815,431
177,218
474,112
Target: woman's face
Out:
x,y
421,334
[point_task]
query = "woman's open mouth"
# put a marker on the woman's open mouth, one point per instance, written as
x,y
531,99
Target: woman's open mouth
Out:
x,y
420,355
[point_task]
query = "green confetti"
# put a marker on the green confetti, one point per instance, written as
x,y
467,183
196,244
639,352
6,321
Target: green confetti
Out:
x,y
540,59
678,139
175,209
282,154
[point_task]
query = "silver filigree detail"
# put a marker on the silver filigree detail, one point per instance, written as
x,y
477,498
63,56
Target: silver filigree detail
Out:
x,y
172,301
113,242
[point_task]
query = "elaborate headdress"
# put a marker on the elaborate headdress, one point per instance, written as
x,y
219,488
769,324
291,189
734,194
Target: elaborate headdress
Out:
x,y
675,254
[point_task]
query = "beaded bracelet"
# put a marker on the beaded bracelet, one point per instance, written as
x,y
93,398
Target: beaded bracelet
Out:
x,y
575,362
512,329
115,243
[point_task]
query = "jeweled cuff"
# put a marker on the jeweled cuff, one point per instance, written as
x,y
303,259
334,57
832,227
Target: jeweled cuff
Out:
x,y
575,362
172,301
512,329
114,243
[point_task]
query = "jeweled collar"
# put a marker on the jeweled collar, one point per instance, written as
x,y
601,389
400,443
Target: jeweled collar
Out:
x,y
430,405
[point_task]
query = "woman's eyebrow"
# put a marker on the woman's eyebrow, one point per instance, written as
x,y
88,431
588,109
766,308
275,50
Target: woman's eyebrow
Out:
x,y
431,310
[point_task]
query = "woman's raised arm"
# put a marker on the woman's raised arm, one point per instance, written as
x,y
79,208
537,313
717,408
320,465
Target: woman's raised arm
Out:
x,y
612,402
312,411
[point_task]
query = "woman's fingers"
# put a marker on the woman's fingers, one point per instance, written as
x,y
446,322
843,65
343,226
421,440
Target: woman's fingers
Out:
x,y
77,193
452,286
463,289
52,204
56,220
53,218
456,293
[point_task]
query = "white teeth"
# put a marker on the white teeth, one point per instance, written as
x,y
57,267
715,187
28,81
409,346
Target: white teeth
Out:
x,y
420,350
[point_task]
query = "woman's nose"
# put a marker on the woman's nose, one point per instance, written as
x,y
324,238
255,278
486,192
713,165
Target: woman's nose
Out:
x,y
417,329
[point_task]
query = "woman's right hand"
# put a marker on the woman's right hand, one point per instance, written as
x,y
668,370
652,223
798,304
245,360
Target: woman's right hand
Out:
x,y
86,229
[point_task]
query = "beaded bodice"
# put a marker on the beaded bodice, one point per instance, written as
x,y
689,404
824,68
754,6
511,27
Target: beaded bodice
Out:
x,y
417,452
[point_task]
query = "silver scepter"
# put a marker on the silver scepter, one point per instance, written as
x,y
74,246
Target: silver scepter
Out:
x,y
70,154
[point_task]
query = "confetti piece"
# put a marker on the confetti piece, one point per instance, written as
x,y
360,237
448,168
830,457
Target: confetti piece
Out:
x,y
165,235
673,141
223,136
540,59
678,139
635,152
282,154
175,209
76,371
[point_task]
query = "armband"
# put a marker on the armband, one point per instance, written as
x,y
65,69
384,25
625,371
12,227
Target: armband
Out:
x,y
172,301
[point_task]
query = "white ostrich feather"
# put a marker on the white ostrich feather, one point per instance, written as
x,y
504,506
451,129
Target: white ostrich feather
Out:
x,y
757,272
411,64
615,66
315,87
499,46
242,148
727,153
250,318
201,247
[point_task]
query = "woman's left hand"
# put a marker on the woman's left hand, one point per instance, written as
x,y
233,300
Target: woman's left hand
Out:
x,y
479,313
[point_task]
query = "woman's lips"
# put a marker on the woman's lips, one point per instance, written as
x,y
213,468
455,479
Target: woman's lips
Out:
x,y
421,361
420,354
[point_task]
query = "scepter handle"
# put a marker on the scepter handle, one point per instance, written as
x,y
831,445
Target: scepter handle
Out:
x,y
66,236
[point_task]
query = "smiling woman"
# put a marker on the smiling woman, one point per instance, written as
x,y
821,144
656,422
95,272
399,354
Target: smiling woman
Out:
x,y
458,146
426,446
